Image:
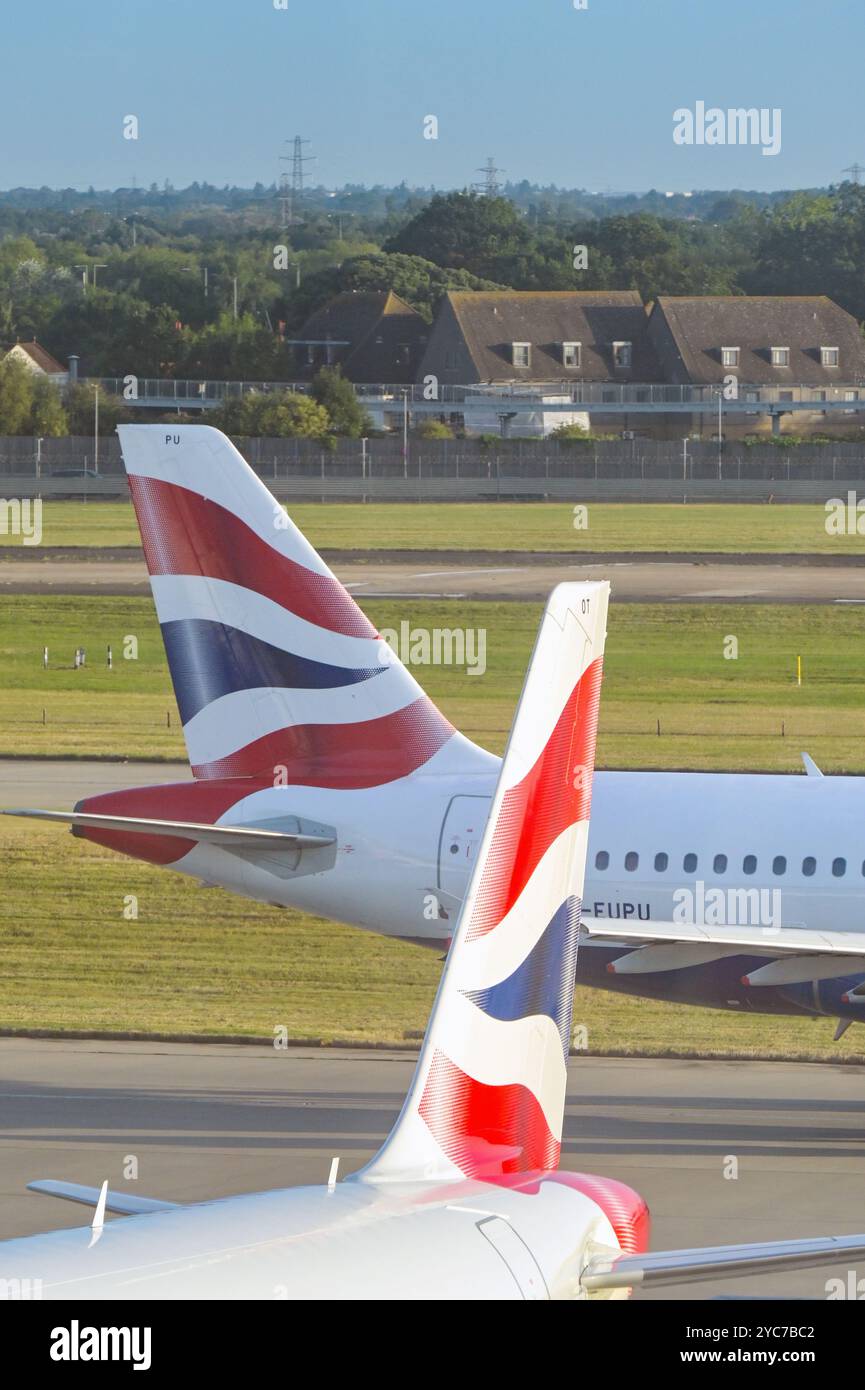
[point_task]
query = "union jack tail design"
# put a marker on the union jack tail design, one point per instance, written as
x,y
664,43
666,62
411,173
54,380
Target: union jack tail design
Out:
x,y
276,670
488,1095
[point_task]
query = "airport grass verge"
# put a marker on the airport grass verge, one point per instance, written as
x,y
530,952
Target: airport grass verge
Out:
x,y
671,697
727,528
204,965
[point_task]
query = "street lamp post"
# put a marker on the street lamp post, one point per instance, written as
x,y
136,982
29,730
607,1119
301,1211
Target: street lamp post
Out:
x,y
405,433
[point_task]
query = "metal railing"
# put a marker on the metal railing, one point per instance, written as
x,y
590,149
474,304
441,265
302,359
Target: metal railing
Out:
x,y
201,393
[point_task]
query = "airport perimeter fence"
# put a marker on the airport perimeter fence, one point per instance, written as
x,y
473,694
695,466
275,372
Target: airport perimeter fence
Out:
x,y
471,469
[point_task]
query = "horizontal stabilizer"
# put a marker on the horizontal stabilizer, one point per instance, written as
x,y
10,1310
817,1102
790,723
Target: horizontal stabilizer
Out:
x,y
235,837
121,1203
717,1262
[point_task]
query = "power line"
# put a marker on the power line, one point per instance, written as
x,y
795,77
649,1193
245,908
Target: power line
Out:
x,y
291,185
856,170
490,187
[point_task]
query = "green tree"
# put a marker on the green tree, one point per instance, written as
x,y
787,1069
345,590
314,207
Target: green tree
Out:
x,y
233,349
116,334
79,406
277,414
434,429
466,232
347,415
16,397
48,418
419,282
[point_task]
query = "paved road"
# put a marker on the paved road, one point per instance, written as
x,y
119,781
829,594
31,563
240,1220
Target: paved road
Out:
x,y
55,785
635,581
208,1121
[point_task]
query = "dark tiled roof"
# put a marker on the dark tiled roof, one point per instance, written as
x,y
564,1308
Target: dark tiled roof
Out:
x,y
377,325
42,358
492,320
702,326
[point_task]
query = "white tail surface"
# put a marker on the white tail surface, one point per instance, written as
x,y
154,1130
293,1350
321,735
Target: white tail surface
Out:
x,y
488,1095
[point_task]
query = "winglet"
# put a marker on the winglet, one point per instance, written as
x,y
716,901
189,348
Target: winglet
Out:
x,y
811,768
99,1215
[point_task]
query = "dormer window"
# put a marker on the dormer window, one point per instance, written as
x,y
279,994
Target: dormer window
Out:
x,y
622,354
521,354
780,357
730,357
572,354
830,357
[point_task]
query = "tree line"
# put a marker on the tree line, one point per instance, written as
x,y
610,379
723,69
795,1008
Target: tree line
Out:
x,y
173,287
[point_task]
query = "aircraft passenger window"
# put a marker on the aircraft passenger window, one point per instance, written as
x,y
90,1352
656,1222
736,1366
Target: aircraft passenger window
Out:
x,y
749,864
779,864
808,866
839,867
720,864
662,860
632,859
602,859
689,863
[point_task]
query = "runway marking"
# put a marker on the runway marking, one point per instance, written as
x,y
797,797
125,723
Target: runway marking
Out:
x,y
483,569
398,593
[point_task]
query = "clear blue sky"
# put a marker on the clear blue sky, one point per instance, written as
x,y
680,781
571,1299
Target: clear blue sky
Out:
x,y
556,95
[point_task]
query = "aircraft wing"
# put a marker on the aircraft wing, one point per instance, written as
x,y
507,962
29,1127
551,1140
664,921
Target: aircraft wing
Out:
x,y
122,1203
612,1271
794,955
224,836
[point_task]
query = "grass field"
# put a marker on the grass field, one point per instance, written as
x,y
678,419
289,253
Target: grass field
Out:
x,y
205,962
500,526
664,663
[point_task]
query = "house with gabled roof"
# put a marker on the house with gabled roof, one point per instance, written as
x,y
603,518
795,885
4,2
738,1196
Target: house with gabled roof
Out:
x,y
540,336
39,360
371,335
549,342
806,346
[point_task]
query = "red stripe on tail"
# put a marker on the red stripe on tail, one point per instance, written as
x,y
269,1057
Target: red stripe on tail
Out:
x,y
487,1131
556,793
184,533
366,754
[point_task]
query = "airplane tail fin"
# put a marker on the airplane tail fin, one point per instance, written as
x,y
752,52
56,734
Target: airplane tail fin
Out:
x,y
488,1094
277,672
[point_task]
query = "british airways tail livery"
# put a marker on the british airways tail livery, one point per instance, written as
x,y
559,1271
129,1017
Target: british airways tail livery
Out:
x,y
276,670
465,1200
489,1093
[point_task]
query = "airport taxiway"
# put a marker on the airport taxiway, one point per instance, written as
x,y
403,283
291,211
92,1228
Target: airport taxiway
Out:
x,y
723,1151
677,579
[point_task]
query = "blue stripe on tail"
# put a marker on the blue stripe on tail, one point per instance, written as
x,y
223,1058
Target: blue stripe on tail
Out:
x,y
544,982
209,659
